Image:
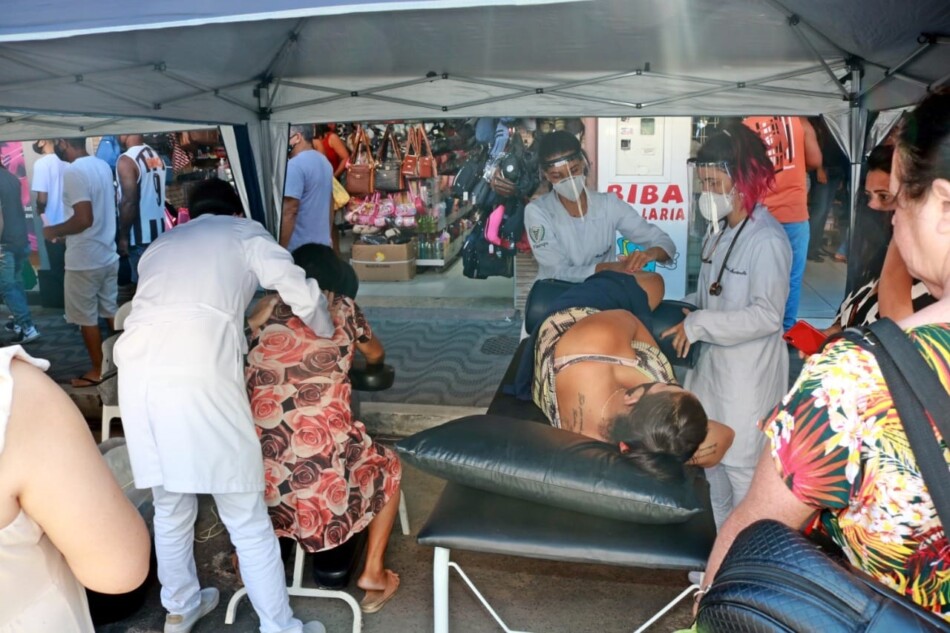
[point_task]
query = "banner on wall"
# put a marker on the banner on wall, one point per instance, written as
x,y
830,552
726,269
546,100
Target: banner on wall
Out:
x,y
642,161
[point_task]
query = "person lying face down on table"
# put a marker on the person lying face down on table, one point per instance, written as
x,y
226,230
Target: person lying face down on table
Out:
x,y
601,373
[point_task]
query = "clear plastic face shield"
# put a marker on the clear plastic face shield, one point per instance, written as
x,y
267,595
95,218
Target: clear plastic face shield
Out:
x,y
567,174
712,196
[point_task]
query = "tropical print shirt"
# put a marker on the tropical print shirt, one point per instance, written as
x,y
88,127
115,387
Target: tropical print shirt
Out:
x,y
839,447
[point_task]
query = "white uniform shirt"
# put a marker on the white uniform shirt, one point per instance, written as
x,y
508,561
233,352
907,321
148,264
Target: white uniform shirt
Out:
x,y
48,179
89,179
570,248
185,409
742,371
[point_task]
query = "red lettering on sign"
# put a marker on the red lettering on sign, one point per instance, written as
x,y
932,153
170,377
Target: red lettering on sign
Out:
x,y
649,195
673,194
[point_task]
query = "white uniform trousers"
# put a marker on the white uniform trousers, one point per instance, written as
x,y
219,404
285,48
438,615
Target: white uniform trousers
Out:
x,y
728,485
245,516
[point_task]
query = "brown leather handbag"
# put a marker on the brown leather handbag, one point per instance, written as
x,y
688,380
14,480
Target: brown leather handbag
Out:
x,y
410,162
427,167
361,168
389,164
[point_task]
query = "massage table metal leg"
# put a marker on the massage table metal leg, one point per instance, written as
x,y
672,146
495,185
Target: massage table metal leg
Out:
x,y
440,582
659,614
403,514
440,589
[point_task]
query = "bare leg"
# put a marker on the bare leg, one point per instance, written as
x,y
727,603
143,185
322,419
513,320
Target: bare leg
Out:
x,y
92,337
373,577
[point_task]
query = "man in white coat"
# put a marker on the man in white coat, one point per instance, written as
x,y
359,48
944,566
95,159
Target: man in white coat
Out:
x,y
185,410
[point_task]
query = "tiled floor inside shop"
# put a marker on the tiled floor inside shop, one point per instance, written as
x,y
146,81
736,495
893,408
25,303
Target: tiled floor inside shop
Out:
x,y
449,339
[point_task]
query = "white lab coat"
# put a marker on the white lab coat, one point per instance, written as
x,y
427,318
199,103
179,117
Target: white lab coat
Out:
x,y
185,408
742,371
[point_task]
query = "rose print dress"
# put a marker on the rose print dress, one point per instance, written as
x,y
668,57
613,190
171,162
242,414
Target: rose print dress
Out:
x,y
325,478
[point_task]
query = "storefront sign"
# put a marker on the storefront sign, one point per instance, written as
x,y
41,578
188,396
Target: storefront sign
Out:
x,y
642,161
657,203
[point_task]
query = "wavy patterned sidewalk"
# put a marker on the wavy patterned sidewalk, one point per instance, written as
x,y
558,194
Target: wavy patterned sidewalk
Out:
x,y
445,361
440,357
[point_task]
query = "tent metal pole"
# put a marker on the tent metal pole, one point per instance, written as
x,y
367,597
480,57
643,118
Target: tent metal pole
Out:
x,y
486,82
211,91
117,94
303,104
64,126
204,93
897,67
857,120
738,85
793,23
74,78
699,80
418,104
938,82
897,75
789,15
278,60
796,91
369,93
298,84
103,123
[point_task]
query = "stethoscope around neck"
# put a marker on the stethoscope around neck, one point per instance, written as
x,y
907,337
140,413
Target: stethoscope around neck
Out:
x,y
715,288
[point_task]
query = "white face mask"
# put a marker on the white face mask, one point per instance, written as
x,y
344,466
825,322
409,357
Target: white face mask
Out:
x,y
572,187
715,206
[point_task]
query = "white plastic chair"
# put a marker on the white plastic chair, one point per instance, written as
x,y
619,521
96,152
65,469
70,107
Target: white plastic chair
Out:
x,y
112,411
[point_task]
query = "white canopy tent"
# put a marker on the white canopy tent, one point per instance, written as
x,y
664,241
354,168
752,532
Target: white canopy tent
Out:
x,y
177,64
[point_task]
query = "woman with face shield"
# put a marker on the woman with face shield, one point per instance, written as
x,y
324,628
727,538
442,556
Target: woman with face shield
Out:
x,y
839,456
743,284
572,230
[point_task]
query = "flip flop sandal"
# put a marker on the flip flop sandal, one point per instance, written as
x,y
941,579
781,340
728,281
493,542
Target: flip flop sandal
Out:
x,y
392,584
86,382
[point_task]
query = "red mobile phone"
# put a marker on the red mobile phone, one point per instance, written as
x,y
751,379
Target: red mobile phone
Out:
x,y
805,337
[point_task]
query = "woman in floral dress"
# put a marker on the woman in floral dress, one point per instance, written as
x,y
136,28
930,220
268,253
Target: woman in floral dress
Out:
x,y
325,478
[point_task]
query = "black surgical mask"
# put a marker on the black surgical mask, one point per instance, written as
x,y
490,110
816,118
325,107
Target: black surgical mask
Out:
x,y
37,148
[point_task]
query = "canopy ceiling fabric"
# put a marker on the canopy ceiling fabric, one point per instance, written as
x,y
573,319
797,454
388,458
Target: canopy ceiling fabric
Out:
x,y
225,62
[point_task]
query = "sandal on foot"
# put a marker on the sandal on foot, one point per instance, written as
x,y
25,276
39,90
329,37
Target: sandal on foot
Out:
x,y
372,606
82,381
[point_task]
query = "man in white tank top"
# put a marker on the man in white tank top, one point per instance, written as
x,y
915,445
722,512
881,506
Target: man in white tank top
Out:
x,y
141,175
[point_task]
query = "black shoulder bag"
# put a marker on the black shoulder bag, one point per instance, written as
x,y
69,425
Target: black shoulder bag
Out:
x,y
774,579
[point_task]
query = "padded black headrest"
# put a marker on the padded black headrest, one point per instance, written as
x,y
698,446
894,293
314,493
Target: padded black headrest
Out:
x,y
372,377
666,315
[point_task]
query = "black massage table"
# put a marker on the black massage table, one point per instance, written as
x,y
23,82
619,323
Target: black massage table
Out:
x,y
473,520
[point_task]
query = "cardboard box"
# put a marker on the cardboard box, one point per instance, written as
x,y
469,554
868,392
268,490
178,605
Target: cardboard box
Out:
x,y
387,262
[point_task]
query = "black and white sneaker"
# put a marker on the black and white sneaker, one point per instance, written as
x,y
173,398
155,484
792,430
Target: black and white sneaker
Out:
x,y
11,326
